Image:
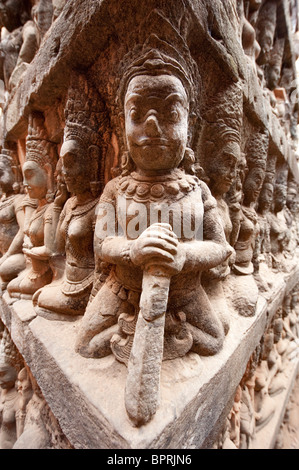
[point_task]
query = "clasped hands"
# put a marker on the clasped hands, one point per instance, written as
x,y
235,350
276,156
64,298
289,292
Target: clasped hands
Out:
x,y
159,245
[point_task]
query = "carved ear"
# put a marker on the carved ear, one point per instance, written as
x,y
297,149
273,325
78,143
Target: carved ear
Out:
x,y
93,152
50,180
94,159
121,117
15,171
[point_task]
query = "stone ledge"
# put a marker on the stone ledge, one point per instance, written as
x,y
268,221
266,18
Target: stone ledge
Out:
x,y
87,395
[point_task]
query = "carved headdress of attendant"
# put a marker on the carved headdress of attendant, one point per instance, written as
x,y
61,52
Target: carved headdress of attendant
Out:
x,y
41,150
220,138
9,158
267,191
9,354
87,127
256,151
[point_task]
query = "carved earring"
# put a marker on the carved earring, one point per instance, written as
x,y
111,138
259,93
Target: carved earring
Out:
x,y
16,188
127,164
188,161
95,187
50,196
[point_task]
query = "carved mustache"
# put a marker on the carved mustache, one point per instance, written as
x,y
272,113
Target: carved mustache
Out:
x,y
154,141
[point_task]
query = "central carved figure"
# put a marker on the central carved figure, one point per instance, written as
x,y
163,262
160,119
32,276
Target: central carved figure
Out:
x,y
153,299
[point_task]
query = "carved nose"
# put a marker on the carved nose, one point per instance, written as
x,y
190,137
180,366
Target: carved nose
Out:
x,y
152,126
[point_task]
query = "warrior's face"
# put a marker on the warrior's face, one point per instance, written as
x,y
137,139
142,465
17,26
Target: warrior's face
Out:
x,y
156,122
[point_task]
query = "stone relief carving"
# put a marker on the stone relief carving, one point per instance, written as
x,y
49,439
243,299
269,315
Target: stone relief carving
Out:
x,y
38,171
18,41
152,264
220,157
24,24
11,217
80,155
157,256
10,365
264,381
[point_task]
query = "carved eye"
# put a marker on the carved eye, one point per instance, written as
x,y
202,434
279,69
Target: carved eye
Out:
x,y
134,115
174,115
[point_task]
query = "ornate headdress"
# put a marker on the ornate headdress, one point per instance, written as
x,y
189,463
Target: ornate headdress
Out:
x,y
39,148
85,114
156,57
9,354
86,121
160,47
222,125
10,158
256,150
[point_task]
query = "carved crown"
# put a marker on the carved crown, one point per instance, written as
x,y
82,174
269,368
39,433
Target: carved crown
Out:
x,y
39,148
9,354
84,113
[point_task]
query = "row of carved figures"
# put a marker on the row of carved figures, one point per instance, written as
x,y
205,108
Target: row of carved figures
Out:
x,y
26,421
147,283
268,372
78,248
261,26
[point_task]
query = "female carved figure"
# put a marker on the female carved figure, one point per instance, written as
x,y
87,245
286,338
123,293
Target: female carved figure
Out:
x,y
154,264
264,206
264,405
277,378
9,402
247,412
220,160
25,392
79,156
11,218
38,173
280,235
245,291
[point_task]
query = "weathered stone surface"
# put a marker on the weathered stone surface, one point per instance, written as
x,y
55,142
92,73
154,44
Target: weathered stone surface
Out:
x,y
188,385
150,274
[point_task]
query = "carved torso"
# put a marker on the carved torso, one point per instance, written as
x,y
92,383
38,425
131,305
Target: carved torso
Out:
x,y
77,223
8,434
8,222
245,243
178,191
36,226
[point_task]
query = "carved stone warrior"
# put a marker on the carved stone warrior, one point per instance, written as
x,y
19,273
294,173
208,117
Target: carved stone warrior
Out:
x,y
80,158
11,217
156,265
38,171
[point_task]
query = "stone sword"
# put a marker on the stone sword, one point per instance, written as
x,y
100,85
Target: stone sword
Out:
x,y
144,366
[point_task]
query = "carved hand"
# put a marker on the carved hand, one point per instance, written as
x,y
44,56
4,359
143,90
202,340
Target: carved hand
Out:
x,y
39,252
158,245
61,196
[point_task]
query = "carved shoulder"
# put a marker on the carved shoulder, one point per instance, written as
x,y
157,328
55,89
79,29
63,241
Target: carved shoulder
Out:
x,y
110,190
